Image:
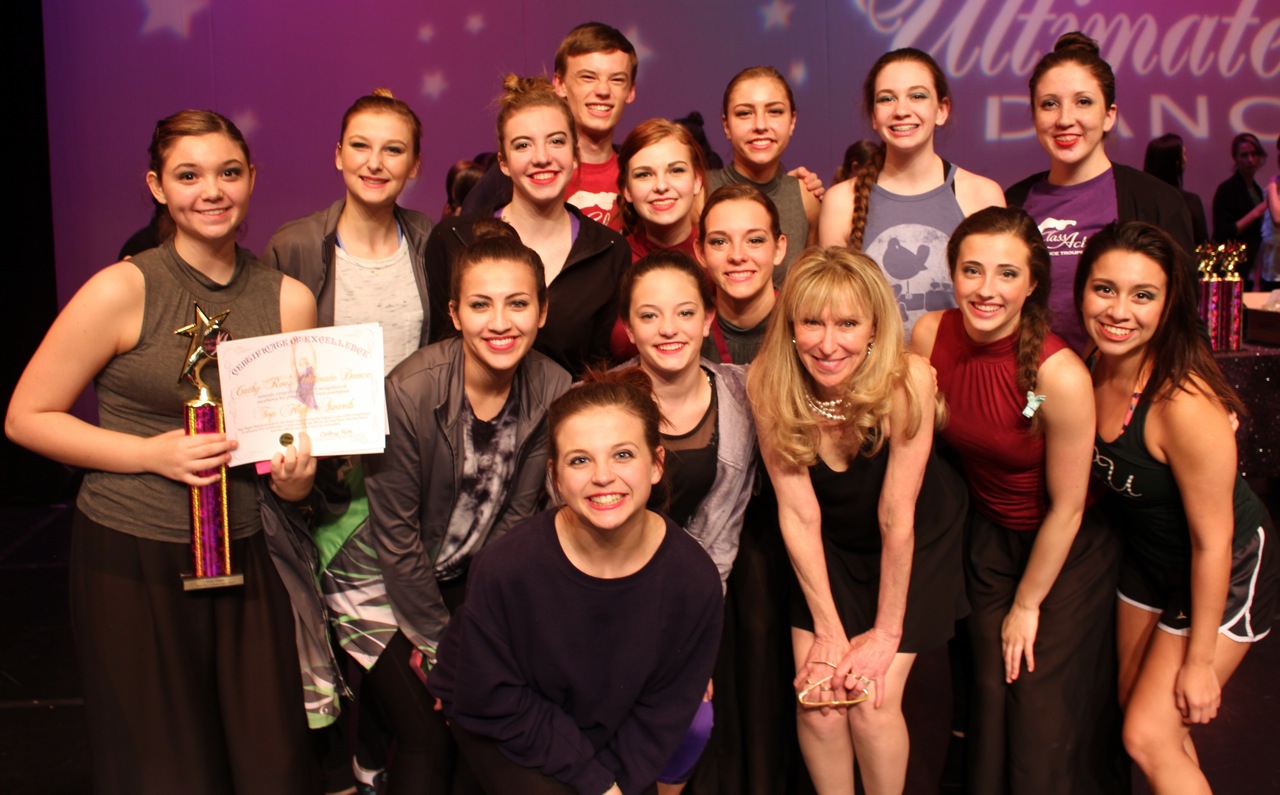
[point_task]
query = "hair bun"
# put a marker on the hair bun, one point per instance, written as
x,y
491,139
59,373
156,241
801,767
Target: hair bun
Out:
x,y
1075,40
513,83
382,92
489,228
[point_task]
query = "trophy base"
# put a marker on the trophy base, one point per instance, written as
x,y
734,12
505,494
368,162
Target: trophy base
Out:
x,y
190,582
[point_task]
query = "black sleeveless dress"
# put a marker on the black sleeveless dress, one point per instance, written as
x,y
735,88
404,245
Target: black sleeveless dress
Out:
x,y
850,503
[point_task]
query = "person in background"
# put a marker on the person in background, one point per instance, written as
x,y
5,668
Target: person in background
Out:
x,y
860,153
759,118
595,73
1239,203
900,207
697,128
458,182
1166,160
1200,575
158,230
1269,259
183,691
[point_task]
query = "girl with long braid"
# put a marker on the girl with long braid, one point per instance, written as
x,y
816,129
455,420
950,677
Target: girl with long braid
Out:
x,y
900,207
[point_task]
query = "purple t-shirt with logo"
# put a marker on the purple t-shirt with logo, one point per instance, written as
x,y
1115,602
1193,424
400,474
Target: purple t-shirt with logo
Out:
x,y
1068,215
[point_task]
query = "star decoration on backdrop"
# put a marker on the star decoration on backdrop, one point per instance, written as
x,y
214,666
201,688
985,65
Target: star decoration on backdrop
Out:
x,y
776,15
798,74
433,84
247,121
475,23
172,14
426,33
633,35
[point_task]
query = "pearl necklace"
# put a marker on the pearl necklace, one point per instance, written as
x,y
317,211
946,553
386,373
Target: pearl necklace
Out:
x,y
826,408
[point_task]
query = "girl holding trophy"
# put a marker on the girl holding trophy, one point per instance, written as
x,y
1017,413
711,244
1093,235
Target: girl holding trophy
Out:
x,y
184,691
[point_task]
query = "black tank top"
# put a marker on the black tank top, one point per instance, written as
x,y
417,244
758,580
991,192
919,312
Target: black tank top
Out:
x,y
1146,503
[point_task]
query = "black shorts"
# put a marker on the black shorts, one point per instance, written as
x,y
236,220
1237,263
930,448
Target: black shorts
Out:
x,y
1251,593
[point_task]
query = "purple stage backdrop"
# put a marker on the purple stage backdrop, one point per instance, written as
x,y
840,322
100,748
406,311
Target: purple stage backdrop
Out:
x,y
285,71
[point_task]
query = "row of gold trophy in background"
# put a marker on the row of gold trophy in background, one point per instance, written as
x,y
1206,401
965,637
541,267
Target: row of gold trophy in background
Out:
x,y
1222,294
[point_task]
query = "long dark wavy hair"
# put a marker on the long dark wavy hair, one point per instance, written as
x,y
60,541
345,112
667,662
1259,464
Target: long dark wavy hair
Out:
x,y
1177,354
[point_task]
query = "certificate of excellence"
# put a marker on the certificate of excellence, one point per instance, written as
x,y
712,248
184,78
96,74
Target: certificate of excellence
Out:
x,y
324,382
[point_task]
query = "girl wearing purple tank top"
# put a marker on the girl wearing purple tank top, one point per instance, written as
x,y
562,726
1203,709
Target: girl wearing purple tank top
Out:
x,y
183,692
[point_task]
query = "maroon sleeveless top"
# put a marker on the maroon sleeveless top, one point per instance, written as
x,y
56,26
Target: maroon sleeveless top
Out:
x,y
1003,461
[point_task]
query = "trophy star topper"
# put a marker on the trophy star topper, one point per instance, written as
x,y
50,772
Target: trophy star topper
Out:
x,y
205,333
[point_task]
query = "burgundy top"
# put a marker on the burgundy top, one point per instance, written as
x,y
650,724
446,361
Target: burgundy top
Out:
x,y
1003,461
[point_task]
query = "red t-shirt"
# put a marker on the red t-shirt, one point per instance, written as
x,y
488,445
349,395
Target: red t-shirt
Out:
x,y
594,190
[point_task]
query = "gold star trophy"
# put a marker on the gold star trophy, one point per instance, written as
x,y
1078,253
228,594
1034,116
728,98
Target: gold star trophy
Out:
x,y
210,529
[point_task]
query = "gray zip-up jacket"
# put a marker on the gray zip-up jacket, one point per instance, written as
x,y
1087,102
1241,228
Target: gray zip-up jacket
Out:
x,y
305,249
413,485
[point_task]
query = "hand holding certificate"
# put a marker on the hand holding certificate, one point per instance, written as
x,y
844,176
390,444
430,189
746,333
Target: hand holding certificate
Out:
x,y
324,382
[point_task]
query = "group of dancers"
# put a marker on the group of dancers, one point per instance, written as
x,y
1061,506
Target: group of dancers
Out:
x,y
836,429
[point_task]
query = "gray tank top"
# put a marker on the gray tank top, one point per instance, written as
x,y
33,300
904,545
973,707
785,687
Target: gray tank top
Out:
x,y
908,236
139,392
785,191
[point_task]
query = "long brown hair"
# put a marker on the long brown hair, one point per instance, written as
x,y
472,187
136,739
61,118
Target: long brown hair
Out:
x,y
1177,355
1036,318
